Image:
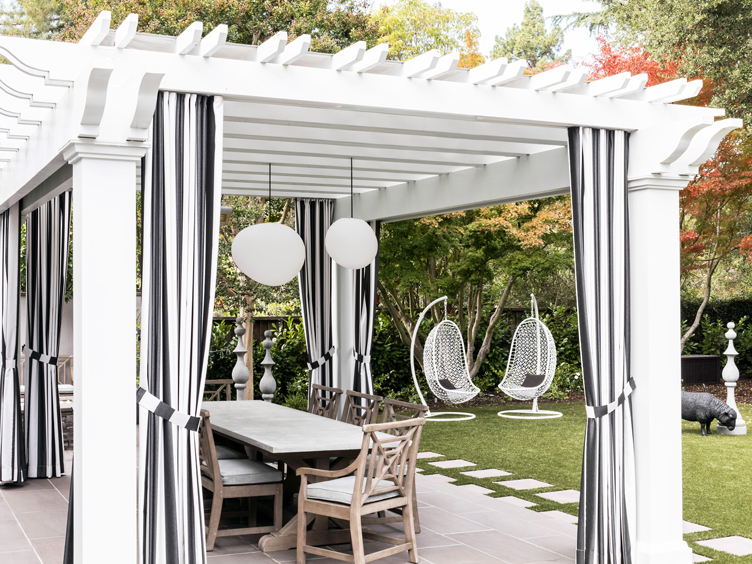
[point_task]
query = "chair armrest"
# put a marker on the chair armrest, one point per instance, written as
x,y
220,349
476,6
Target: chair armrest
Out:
x,y
329,473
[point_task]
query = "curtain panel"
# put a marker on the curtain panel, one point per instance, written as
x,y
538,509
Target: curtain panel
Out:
x,y
47,239
598,162
312,220
12,441
181,200
365,289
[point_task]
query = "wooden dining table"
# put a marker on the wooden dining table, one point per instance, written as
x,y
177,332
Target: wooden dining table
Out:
x,y
298,439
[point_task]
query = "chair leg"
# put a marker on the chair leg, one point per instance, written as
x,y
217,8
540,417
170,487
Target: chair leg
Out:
x,y
408,521
415,512
216,513
302,526
356,538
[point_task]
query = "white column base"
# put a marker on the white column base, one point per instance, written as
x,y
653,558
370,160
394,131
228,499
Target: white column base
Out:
x,y
666,553
740,429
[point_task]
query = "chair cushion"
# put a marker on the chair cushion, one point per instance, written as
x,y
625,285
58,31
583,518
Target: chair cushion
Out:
x,y
532,380
341,490
227,453
236,472
446,383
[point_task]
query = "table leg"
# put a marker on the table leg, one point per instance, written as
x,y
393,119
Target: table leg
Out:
x,y
322,521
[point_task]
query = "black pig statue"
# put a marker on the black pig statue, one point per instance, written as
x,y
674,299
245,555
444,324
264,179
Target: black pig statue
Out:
x,y
704,407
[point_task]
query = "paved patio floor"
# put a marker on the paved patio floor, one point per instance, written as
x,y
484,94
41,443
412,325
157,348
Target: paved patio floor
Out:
x,y
460,526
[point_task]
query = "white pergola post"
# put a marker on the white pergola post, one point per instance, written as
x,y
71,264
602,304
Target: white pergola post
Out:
x,y
656,367
104,282
343,322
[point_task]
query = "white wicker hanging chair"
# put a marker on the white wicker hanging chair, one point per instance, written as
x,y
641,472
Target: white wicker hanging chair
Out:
x,y
531,366
445,366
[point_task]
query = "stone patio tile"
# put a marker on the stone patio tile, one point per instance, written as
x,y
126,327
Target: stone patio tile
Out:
x,y
244,558
509,525
62,485
700,558
558,515
21,557
429,454
440,478
516,501
50,550
512,550
419,470
426,539
12,539
563,496
458,554
560,544
28,486
561,527
487,473
34,500
459,463
44,524
232,545
524,484
444,522
5,513
473,489
456,505
739,546
688,527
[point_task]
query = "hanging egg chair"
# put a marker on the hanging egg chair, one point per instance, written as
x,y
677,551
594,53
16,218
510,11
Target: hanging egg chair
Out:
x,y
531,366
445,366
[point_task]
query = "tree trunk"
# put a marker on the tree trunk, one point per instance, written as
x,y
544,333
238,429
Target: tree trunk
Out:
x,y
485,348
712,265
247,314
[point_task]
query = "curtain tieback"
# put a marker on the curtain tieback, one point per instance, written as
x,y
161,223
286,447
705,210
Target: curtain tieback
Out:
x,y
601,410
323,360
362,357
40,357
161,409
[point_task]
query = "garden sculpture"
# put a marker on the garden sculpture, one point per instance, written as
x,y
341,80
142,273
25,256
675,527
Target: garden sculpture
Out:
x,y
705,407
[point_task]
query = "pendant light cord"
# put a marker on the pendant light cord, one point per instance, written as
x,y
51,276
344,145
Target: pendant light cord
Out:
x,y
351,188
269,202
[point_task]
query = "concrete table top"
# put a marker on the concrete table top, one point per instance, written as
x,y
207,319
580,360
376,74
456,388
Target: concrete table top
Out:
x,y
281,430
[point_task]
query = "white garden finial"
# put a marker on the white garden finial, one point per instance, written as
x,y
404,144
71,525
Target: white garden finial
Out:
x,y
730,376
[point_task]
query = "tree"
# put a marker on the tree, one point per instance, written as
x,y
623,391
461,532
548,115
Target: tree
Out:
x,y
707,38
531,41
716,209
412,27
463,255
30,18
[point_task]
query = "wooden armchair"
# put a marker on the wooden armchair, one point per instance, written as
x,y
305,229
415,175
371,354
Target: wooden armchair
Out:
x,y
235,478
361,409
324,401
384,480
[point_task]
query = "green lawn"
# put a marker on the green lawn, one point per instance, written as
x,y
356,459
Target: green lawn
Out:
x,y
717,468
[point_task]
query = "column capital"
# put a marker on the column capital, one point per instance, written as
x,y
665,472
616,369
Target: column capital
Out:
x,y
78,149
657,182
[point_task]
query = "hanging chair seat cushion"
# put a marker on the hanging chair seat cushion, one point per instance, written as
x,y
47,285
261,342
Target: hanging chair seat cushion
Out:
x,y
446,383
532,380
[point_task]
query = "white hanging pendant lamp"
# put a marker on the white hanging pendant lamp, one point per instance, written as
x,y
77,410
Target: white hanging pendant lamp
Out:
x,y
269,253
351,242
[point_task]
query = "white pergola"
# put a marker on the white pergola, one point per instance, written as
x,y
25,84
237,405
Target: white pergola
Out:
x,y
426,138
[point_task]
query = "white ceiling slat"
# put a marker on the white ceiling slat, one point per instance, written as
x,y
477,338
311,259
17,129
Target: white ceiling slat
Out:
x,y
33,102
417,65
126,32
294,51
577,78
659,92
271,48
232,190
372,58
323,163
259,168
348,56
213,42
513,72
303,180
189,39
98,30
690,90
635,84
445,65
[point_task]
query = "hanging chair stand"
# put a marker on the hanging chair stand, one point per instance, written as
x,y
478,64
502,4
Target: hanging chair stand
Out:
x,y
532,356
444,388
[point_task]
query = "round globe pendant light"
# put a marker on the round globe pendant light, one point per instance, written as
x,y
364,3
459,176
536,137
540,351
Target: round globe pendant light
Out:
x,y
351,242
269,253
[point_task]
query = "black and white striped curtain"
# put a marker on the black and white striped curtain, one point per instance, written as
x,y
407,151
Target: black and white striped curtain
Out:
x,y
47,237
181,200
598,162
12,442
312,221
364,299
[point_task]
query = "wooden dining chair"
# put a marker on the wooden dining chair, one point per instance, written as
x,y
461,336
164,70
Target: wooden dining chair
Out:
x,y
324,401
235,478
384,480
397,410
361,409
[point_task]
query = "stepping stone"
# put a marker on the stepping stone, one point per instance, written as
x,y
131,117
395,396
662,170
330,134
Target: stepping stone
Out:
x,y
740,546
474,489
564,496
688,527
488,473
452,464
700,558
437,478
429,455
525,484
516,501
419,469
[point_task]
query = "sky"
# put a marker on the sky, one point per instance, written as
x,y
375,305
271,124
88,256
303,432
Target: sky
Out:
x,y
495,16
